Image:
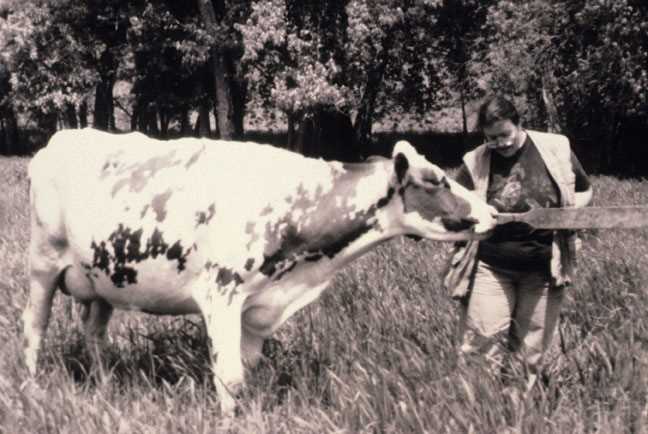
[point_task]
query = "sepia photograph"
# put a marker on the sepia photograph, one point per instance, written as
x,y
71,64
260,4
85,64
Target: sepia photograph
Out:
x,y
337,216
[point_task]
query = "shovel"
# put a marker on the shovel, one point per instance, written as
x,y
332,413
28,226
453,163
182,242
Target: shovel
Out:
x,y
607,217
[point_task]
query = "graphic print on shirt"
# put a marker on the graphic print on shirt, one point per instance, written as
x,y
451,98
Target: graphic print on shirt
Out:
x,y
521,182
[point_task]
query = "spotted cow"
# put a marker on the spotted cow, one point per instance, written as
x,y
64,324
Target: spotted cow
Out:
x,y
242,233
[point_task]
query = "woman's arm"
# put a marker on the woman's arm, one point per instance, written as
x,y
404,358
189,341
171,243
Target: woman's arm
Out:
x,y
582,186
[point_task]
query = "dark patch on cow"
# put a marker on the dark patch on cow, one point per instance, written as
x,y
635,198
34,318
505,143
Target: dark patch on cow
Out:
x,y
176,252
124,248
139,174
385,200
313,257
158,204
204,217
143,213
101,257
194,158
225,276
340,243
326,225
266,211
249,264
286,270
249,230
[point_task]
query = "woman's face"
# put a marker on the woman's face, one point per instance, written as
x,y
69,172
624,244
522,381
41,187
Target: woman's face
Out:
x,y
504,137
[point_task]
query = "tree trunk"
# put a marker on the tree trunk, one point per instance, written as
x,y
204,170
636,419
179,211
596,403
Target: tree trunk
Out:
x,y
239,99
553,121
135,121
70,116
152,127
83,114
10,135
103,109
364,119
165,119
185,125
294,120
326,133
104,118
220,75
464,116
202,123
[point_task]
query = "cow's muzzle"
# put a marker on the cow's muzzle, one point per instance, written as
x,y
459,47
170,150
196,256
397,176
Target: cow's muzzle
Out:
x,y
459,224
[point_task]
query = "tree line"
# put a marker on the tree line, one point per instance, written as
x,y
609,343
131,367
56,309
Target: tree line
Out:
x,y
330,69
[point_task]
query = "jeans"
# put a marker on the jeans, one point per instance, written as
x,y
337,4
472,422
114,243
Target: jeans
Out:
x,y
519,308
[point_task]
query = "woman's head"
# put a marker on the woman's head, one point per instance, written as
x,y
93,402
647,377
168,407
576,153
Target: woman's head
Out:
x,y
497,108
499,120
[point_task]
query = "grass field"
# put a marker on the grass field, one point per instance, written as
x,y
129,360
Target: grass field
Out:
x,y
374,354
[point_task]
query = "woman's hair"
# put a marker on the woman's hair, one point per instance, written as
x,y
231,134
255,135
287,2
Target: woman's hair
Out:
x,y
494,109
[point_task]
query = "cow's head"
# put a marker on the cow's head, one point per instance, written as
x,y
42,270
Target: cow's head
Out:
x,y
433,205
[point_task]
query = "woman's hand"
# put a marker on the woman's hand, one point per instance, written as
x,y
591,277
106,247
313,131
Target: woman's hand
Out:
x,y
583,198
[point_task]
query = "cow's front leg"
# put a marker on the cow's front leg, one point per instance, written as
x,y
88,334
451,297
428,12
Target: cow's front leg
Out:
x,y
251,347
221,310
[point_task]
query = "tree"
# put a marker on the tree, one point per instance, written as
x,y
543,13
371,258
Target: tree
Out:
x,y
313,60
459,29
219,17
47,63
168,51
576,66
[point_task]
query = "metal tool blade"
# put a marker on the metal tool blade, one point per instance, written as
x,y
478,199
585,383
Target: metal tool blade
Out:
x,y
610,217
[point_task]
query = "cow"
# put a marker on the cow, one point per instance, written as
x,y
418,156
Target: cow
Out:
x,y
242,233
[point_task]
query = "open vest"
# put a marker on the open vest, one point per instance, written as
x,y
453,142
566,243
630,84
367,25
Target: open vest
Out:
x,y
555,152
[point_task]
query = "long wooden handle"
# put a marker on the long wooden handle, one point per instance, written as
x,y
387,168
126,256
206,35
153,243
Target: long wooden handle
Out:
x,y
613,217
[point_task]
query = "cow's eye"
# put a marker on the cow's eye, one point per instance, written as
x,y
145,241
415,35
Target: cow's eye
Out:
x,y
433,181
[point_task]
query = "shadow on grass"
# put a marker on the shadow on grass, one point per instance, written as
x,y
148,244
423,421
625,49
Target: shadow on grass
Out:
x,y
167,357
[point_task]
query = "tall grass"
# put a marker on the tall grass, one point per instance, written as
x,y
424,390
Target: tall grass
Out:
x,y
375,354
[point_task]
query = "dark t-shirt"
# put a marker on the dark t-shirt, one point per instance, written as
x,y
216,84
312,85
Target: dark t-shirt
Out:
x,y
517,184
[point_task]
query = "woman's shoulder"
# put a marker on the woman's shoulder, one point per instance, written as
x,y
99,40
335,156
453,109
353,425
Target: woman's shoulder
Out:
x,y
541,138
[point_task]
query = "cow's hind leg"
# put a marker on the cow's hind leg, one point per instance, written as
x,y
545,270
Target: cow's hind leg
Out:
x,y
35,317
48,245
95,316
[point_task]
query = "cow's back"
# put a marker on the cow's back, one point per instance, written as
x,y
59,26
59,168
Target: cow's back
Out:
x,y
165,208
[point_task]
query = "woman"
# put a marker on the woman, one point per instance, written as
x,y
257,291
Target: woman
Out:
x,y
512,283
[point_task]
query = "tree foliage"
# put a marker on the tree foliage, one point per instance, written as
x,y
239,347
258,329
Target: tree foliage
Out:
x,y
582,63
332,68
43,47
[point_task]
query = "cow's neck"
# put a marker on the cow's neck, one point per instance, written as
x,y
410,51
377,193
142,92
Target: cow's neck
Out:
x,y
335,223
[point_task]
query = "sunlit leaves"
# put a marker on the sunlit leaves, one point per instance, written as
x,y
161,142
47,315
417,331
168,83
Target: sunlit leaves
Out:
x,y
46,61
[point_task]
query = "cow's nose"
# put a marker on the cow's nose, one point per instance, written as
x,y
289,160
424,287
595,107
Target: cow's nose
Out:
x,y
458,224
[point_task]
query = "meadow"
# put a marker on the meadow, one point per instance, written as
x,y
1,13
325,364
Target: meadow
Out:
x,y
376,354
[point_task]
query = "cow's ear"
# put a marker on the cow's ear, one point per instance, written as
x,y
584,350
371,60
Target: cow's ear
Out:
x,y
401,155
401,165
